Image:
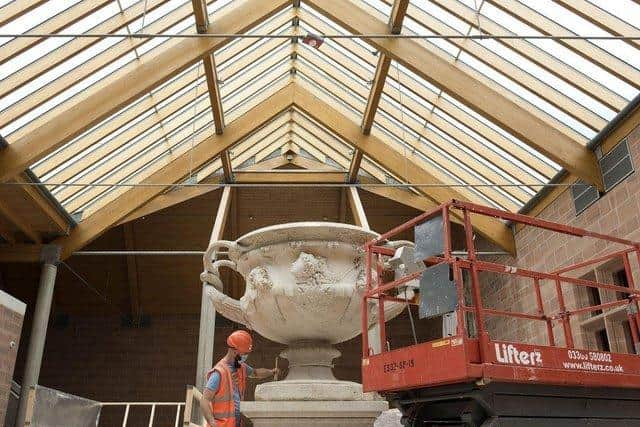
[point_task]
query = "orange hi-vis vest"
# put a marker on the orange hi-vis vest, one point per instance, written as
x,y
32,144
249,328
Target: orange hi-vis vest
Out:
x,y
223,407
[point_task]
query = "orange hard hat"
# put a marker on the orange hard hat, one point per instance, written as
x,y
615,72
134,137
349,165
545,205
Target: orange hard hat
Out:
x,y
240,341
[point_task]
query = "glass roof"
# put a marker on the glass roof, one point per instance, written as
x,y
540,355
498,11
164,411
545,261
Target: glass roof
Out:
x,y
574,86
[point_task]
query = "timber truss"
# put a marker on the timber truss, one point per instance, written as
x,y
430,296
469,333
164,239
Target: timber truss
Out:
x,y
88,116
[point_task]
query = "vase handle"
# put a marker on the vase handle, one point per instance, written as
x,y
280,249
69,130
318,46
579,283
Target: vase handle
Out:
x,y
229,307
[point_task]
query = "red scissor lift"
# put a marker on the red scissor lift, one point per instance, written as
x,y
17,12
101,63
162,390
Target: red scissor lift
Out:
x,y
470,378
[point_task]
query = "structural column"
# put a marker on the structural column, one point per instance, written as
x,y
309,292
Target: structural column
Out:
x,y
50,257
360,217
207,311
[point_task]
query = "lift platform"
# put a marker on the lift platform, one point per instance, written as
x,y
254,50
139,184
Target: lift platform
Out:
x,y
466,376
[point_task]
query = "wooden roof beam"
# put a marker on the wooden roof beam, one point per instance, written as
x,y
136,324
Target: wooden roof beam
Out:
x,y
45,205
127,84
398,12
491,228
285,176
202,26
19,223
512,116
20,252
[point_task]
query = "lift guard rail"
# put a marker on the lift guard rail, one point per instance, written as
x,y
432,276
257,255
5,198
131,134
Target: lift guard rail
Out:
x,y
464,357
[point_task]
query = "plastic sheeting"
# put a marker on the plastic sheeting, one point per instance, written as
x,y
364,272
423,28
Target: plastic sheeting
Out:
x,y
53,408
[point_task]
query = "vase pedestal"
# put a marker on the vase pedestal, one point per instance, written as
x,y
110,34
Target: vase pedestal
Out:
x,y
281,413
310,395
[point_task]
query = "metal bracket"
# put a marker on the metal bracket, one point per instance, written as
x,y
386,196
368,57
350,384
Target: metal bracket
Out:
x,y
50,254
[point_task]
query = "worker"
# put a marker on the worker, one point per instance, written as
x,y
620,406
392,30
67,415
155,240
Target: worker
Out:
x,y
226,382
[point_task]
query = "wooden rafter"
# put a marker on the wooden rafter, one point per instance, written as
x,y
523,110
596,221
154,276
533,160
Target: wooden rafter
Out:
x,y
377,85
19,223
45,206
202,153
585,48
202,26
398,12
394,161
513,116
125,86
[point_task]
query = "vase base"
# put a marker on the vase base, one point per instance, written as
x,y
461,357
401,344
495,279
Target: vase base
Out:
x,y
361,413
311,390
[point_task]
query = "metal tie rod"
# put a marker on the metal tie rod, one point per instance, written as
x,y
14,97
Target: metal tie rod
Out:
x,y
201,253
322,36
155,253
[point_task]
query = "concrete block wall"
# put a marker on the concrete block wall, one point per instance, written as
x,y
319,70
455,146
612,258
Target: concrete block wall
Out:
x,y
11,317
616,213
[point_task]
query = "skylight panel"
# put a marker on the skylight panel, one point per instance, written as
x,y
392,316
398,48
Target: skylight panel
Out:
x,y
35,17
553,81
335,28
257,71
527,95
358,102
235,111
582,27
627,10
49,44
562,53
501,131
339,67
66,95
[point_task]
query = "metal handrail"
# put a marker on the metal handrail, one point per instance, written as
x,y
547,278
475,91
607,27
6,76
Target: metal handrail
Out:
x,y
128,405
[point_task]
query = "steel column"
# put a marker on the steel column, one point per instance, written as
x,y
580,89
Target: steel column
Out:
x,y
50,257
